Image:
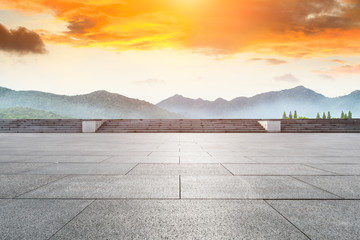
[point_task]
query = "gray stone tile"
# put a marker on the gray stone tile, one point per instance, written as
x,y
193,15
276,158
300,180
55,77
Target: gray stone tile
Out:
x,y
323,219
179,169
70,159
172,148
208,159
17,158
124,153
110,187
237,154
343,160
273,169
342,169
2,201
163,219
16,168
48,152
165,154
83,168
14,185
36,219
194,154
123,159
314,149
290,159
177,154
249,187
343,186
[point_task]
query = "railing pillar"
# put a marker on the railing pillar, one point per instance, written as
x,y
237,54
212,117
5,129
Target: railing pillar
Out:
x,y
271,126
91,126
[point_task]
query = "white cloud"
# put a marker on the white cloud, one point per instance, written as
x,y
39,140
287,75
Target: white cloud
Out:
x,y
287,78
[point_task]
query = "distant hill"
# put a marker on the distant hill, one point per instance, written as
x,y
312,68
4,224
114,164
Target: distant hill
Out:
x,y
265,105
99,104
27,113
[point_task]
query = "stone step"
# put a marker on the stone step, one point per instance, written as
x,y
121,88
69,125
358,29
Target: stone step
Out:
x,y
178,125
181,125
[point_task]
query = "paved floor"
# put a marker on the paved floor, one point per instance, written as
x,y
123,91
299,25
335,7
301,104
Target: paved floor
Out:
x,y
179,186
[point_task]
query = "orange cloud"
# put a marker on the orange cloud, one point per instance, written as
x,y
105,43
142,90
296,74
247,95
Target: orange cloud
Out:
x,y
270,61
296,28
349,69
21,41
339,61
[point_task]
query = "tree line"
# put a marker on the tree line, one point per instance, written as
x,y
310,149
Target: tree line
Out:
x,y
324,115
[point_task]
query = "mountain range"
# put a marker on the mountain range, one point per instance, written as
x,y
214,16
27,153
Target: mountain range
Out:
x,y
266,105
95,105
106,105
27,113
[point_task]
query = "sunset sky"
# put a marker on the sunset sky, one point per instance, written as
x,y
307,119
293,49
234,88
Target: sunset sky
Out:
x,y
153,49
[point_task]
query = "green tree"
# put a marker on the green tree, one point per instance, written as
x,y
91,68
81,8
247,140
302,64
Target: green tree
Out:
x,y
290,115
318,116
284,116
295,114
350,115
324,116
342,115
329,115
346,116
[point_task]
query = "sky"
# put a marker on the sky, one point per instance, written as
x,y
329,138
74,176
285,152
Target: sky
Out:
x,y
154,49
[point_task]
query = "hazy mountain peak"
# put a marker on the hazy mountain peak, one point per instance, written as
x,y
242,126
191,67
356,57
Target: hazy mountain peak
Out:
x,y
220,100
3,90
98,104
100,92
356,92
265,105
300,87
176,98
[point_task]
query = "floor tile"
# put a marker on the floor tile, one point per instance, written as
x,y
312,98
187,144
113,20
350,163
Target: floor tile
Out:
x,y
84,168
323,219
179,220
249,187
110,187
36,218
179,169
14,185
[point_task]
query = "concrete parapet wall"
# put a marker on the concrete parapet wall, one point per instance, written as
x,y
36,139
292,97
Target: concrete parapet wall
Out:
x,y
271,126
40,125
179,125
320,125
91,126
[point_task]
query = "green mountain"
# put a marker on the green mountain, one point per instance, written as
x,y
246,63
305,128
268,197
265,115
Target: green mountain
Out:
x,y
96,105
27,113
265,105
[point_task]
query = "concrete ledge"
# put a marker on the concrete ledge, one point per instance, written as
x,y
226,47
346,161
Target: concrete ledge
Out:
x,y
91,126
271,126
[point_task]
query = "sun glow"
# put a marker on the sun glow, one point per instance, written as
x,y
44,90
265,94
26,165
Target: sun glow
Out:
x,y
296,28
190,3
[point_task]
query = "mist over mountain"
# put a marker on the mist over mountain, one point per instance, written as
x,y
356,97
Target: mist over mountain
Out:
x,y
27,113
99,104
265,105
103,104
